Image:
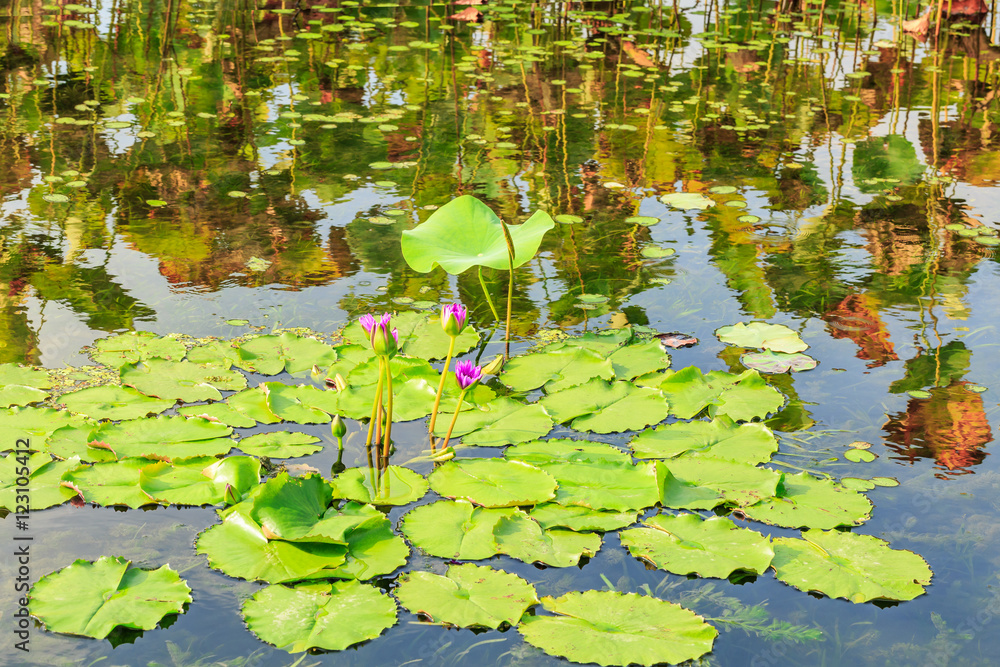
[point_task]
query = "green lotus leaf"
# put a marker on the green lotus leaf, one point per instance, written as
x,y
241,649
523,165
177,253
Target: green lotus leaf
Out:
x,y
687,200
34,425
605,485
604,343
454,529
501,421
858,568
550,515
803,501
740,397
324,616
467,596
682,495
720,438
393,486
270,354
114,403
181,380
91,599
555,369
112,483
521,537
739,483
135,346
237,547
165,437
24,376
687,544
778,362
610,628
774,337
566,450
222,353
280,444
359,366
465,232
373,550
420,335
221,412
201,481
44,477
493,482
603,407
19,394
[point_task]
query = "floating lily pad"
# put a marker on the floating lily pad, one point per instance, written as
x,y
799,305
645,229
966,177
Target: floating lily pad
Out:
x,y
493,482
605,485
739,483
551,515
502,421
566,450
205,481
614,629
805,501
111,402
420,336
454,529
720,438
521,537
181,380
858,568
859,456
91,599
136,346
165,437
740,397
270,355
16,394
220,412
34,425
467,596
603,407
778,362
687,544
111,483
280,444
687,200
324,616
44,477
555,369
774,337
392,486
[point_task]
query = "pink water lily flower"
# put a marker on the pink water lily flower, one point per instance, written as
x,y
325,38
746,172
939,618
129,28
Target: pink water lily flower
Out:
x,y
453,318
467,374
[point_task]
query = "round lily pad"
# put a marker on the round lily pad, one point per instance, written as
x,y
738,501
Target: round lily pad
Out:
x,y
493,483
859,455
394,485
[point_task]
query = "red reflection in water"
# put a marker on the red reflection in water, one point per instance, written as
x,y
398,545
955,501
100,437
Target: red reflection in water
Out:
x,y
856,318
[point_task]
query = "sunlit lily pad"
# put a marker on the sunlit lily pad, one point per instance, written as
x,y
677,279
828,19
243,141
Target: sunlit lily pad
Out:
x,y
573,517
43,487
739,483
112,402
566,450
135,346
720,438
502,421
90,599
205,481
280,444
493,482
805,501
859,456
519,536
555,369
687,200
270,355
778,362
605,485
740,397
610,628
112,483
603,407
420,336
167,437
858,568
181,380
392,486
454,529
774,337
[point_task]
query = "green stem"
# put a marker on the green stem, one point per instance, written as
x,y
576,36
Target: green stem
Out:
x,y
437,399
375,404
388,416
451,427
487,293
510,298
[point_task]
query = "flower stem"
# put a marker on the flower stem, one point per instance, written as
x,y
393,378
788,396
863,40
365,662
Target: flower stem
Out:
x,y
510,298
451,427
437,399
375,405
487,293
388,416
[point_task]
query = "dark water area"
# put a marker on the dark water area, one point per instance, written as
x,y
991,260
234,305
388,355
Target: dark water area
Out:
x,y
177,167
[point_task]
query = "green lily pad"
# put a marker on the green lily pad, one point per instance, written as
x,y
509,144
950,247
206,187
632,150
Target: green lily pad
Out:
x,y
687,544
521,537
502,421
739,483
740,397
253,404
603,407
611,628
13,374
296,403
493,482
324,616
216,353
720,438
465,232
454,529
270,355
111,402
18,394
550,515
778,362
566,450
135,346
33,424
555,369
805,501
165,437
181,380
201,481
395,485
858,568
91,599
859,456
112,483
605,485
682,495
220,412
687,200
44,477
373,550
774,337
467,596
280,444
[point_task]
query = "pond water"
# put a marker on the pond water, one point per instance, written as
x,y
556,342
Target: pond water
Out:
x,y
210,169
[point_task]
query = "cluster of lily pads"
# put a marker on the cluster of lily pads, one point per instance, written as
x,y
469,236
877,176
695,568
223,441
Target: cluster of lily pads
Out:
x,y
101,436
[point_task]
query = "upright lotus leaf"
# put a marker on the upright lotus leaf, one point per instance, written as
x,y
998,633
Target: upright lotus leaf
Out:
x,y
687,200
555,369
739,483
181,380
493,482
682,495
270,354
113,483
44,477
519,536
222,353
610,628
75,442
566,450
165,437
280,444
858,568
465,232
605,485
551,515
603,407
775,337
778,362
804,501
468,596
373,550
253,404
34,425
741,397
420,335
454,529
221,412
288,508
91,599
501,421
114,403
135,346
392,486
323,616
720,438
295,403
687,544
199,481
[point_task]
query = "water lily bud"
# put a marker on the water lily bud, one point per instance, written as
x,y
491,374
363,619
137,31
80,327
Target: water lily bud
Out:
x,y
385,343
338,427
494,366
467,374
231,496
453,318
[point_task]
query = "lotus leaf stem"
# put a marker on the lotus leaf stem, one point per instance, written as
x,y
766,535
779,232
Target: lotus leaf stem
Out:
x,y
487,293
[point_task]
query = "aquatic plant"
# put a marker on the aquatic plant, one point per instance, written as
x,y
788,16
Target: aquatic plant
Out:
x,y
467,374
453,320
384,343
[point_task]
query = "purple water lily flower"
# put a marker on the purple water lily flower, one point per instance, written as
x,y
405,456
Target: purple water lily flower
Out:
x,y
367,322
467,374
382,343
453,318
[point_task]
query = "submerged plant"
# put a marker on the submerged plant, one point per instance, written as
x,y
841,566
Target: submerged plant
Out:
x,y
453,319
